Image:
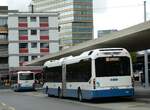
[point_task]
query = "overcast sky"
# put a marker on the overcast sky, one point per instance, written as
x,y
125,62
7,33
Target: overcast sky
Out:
x,y
108,14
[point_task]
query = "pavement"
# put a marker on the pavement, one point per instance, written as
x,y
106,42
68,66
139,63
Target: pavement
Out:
x,y
4,106
142,94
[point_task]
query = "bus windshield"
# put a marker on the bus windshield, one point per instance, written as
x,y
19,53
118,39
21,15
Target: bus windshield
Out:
x,y
26,76
112,66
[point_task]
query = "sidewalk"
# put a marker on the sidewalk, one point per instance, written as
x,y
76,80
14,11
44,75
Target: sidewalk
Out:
x,y
142,93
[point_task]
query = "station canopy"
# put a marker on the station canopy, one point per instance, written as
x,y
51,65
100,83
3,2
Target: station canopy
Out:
x,y
135,38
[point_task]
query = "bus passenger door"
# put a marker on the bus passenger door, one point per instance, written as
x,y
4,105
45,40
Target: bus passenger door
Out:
x,y
63,79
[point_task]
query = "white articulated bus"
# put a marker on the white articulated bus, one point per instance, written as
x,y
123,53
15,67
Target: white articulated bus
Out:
x,y
105,72
23,80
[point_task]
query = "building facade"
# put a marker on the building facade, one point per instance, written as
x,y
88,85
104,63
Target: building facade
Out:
x,y
101,33
31,36
75,19
4,69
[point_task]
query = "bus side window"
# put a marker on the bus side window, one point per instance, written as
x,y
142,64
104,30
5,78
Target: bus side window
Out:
x,y
79,72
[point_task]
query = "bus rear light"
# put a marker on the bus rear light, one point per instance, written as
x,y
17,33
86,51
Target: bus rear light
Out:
x,y
94,84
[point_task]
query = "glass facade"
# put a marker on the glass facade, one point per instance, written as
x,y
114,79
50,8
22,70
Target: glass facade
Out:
x,y
3,21
75,19
4,66
3,37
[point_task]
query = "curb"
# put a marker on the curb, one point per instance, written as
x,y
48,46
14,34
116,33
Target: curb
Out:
x,y
144,100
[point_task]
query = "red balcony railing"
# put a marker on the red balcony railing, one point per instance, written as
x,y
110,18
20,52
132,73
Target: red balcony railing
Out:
x,y
44,24
23,25
45,50
44,37
23,37
23,50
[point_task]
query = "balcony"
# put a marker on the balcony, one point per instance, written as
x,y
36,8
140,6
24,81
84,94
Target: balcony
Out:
x,y
44,24
44,37
23,50
44,50
3,30
23,24
23,37
3,51
4,66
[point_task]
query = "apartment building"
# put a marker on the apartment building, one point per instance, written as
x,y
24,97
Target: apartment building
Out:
x,y
75,19
31,36
4,69
102,33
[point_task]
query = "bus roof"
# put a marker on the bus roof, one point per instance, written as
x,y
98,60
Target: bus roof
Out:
x,y
93,54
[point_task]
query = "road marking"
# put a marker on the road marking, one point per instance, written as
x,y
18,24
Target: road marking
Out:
x,y
3,104
11,108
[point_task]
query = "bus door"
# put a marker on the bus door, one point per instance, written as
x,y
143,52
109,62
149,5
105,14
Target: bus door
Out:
x,y
63,79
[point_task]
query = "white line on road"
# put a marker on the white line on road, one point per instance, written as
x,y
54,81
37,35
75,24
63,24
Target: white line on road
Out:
x,y
8,107
3,104
11,108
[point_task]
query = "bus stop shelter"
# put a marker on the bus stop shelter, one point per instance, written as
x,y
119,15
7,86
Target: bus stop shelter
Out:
x,y
135,38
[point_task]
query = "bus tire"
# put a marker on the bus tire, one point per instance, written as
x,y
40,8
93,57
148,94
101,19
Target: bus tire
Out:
x,y
59,93
80,97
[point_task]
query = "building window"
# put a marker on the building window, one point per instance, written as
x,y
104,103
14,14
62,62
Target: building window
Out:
x,y
23,45
3,22
33,19
43,19
23,32
3,37
23,59
22,22
22,19
44,35
44,22
44,45
33,32
44,32
23,35
33,45
33,57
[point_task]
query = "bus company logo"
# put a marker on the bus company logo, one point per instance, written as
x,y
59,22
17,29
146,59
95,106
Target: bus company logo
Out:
x,y
114,79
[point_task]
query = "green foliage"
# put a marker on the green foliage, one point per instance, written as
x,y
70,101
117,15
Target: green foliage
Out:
x,y
133,56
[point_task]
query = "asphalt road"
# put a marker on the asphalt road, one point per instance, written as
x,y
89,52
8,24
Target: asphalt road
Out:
x,y
33,101
38,101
